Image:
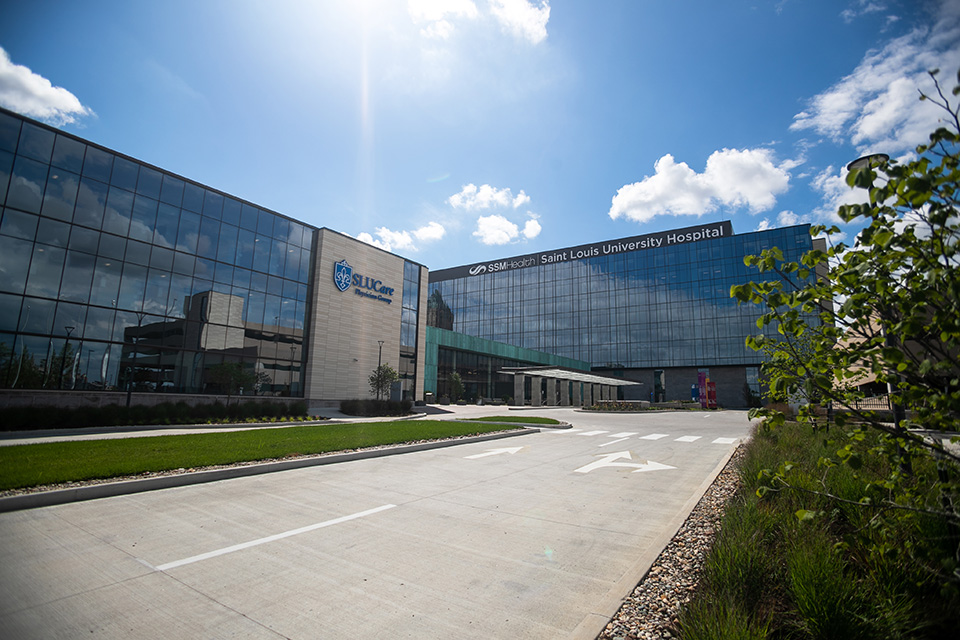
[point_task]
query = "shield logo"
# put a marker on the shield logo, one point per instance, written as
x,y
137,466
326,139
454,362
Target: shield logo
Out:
x,y
342,274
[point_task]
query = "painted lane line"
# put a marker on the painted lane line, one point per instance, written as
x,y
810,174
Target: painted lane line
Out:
x,y
561,430
613,442
654,436
688,438
273,538
623,434
724,441
493,452
593,433
610,460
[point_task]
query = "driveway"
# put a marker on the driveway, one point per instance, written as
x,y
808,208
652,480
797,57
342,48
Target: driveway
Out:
x,y
539,536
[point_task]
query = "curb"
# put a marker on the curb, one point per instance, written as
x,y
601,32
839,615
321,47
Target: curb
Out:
x,y
126,487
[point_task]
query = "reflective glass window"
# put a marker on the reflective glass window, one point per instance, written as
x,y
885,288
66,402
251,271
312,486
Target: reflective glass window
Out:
x,y
179,292
148,182
144,218
99,325
6,167
112,246
292,267
9,132
132,286
183,263
248,217
172,190
161,258
246,241
60,195
83,239
36,143
69,320
241,278
106,282
97,164
19,224
9,311
116,217
124,174
36,315
193,198
26,185
261,254
91,201
209,234
265,224
138,253
53,232
14,263
212,205
295,236
231,211
223,273
227,243
165,231
254,308
277,257
188,232
46,267
281,228
157,291
68,154
304,271
204,268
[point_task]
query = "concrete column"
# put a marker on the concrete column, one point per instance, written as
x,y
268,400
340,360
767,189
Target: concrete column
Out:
x,y
577,393
605,391
518,389
564,393
536,394
597,393
551,399
587,394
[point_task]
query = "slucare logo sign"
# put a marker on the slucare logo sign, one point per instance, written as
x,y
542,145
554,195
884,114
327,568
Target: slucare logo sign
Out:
x,y
343,277
636,243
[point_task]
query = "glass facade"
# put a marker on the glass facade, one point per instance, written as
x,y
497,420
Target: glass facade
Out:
x,y
116,275
410,312
647,308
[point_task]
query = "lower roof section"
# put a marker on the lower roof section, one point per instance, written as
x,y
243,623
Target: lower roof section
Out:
x,y
562,373
462,342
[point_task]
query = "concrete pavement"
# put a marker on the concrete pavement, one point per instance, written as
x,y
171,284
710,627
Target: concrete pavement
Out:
x,y
532,537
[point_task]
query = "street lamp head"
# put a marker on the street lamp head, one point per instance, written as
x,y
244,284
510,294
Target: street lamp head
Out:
x,y
868,161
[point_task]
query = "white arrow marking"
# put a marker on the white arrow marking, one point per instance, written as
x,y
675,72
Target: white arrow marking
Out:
x,y
609,460
494,452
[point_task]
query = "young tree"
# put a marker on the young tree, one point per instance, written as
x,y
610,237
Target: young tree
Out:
x,y
381,379
889,307
231,377
456,387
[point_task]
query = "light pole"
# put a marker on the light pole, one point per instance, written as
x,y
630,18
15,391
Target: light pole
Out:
x,y
379,373
869,162
63,358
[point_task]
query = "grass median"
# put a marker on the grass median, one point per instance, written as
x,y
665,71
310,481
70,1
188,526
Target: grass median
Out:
x,y
515,419
30,465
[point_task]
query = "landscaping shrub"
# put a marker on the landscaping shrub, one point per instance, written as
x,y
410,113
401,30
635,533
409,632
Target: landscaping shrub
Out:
x,y
370,407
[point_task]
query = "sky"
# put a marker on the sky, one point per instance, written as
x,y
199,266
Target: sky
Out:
x,y
459,131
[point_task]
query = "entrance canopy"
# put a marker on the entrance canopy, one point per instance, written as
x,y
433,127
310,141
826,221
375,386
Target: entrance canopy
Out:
x,y
563,373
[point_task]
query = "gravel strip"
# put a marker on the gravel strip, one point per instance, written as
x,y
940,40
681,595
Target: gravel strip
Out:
x,y
651,611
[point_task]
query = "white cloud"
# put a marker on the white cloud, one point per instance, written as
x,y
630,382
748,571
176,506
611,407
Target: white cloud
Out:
x,y
732,178
531,229
863,7
390,240
437,15
876,107
430,232
32,95
523,19
472,197
495,229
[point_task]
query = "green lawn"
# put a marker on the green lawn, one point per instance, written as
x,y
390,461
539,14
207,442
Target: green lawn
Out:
x,y
517,419
54,462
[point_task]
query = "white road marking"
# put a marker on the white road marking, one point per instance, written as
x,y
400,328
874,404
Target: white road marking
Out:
x,y
273,538
624,434
724,440
494,452
613,442
593,433
610,460
654,436
560,430
687,439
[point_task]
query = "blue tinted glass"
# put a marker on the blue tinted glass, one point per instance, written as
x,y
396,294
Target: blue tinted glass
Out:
x,y
158,288
188,232
116,218
261,254
14,262
193,198
99,325
205,269
86,240
77,276
212,204
6,166
227,244
278,256
112,246
9,132
209,233
161,258
144,218
36,143
246,241
36,316
258,281
281,228
265,224
223,273
148,183
183,263
172,191
97,164
106,282
132,287
138,252
241,278
124,174
60,195
9,311
231,211
165,232
26,185
248,218
292,268
91,200
68,154
53,232
19,224
46,267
